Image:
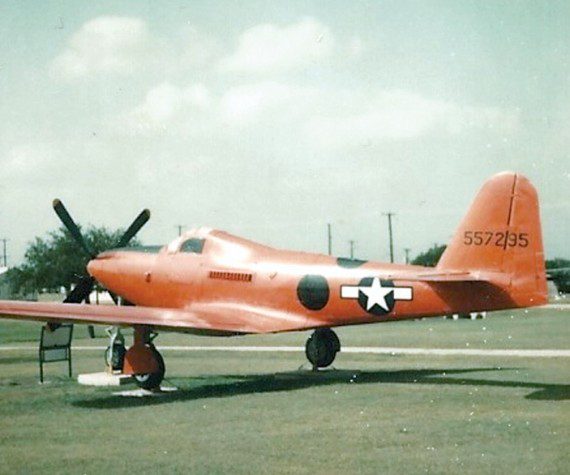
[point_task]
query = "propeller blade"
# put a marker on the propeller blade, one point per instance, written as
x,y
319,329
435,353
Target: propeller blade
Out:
x,y
114,297
81,291
68,222
134,228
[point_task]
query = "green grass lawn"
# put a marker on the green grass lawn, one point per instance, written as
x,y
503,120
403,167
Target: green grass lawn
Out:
x,y
256,413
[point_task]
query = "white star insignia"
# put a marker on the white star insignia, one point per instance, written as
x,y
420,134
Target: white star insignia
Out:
x,y
376,294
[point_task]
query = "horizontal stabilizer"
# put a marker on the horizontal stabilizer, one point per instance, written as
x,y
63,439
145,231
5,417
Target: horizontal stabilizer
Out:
x,y
442,277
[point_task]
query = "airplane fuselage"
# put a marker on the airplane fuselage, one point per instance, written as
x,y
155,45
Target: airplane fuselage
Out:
x,y
209,282
213,266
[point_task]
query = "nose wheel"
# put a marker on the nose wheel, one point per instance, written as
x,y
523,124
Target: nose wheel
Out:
x,y
321,348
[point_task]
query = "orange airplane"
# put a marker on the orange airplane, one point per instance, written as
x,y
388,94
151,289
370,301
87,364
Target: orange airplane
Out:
x,y
208,282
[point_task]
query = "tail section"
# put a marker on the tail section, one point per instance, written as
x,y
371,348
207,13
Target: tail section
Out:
x,y
501,234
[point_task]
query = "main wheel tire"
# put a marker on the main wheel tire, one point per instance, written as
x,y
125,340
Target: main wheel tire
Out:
x,y
321,347
152,380
117,358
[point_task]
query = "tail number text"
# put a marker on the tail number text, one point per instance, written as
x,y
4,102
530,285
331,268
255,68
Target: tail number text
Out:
x,y
495,238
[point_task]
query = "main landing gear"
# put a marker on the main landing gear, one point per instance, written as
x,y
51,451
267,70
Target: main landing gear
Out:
x,y
142,360
152,379
321,348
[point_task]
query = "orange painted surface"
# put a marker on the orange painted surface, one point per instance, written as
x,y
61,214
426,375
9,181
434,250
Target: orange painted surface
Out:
x,y
494,261
139,359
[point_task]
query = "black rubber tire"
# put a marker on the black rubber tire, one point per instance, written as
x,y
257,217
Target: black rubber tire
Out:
x,y
152,380
321,347
328,334
118,358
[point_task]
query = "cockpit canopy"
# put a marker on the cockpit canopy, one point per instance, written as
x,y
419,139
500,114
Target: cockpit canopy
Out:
x,y
219,245
191,242
192,245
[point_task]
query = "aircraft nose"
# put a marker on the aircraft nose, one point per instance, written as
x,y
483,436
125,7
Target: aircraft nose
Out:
x,y
92,267
100,266
121,272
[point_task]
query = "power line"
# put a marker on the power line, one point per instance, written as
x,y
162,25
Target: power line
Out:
x,y
390,214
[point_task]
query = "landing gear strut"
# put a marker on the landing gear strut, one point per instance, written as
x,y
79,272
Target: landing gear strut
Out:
x,y
115,352
321,348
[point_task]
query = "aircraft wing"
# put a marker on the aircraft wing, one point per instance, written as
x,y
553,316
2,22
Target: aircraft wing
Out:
x,y
210,319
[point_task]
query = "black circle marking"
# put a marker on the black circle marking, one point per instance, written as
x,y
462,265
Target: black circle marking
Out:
x,y
349,263
313,292
376,309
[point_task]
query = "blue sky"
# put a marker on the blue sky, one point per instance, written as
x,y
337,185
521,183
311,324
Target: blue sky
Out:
x,y
270,119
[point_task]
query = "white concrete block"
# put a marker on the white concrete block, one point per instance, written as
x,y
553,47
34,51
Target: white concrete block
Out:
x,y
104,379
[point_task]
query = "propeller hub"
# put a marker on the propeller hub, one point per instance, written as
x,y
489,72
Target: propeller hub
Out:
x,y
100,266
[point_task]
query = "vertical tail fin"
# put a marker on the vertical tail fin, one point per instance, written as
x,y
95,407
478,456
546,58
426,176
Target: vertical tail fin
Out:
x,y
501,233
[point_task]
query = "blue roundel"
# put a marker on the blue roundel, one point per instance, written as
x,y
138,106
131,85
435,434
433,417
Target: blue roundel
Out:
x,y
313,292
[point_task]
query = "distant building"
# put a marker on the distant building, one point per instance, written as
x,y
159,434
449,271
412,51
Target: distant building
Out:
x,y
6,290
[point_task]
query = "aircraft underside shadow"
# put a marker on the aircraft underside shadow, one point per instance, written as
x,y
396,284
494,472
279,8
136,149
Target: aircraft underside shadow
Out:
x,y
221,386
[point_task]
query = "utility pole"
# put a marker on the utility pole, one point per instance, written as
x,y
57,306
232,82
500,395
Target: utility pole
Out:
x,y
329,234
180,228
390,214
407,251
351,242
4,254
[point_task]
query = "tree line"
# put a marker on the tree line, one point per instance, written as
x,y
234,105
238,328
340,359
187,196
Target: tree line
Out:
x,y
56,261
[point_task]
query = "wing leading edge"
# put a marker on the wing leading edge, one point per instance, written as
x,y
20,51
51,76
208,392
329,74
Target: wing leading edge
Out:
x,y
211,319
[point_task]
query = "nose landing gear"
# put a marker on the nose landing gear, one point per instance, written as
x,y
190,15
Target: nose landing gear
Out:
x,y
321,348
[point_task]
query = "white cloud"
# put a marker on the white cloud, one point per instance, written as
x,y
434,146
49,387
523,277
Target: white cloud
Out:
x,y
25,160
124,45
271,48
319,118
393,115
243,104
168,106
107,44
164,104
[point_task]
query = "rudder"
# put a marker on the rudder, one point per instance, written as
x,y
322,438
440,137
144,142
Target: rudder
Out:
x,y
501,233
